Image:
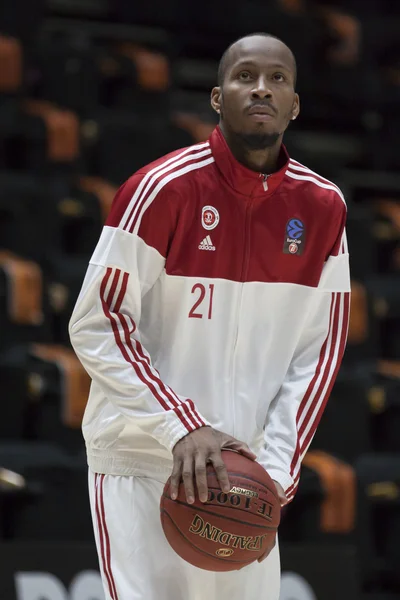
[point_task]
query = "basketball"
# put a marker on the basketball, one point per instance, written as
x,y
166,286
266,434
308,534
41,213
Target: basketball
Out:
x,y
230,530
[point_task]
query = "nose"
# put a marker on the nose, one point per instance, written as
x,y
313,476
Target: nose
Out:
x,y
261,89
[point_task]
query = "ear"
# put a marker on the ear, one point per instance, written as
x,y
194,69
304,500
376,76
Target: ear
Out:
x,y
216,99
296,107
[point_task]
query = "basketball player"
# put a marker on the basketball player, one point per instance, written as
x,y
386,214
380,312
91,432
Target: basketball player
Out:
x,y
213,315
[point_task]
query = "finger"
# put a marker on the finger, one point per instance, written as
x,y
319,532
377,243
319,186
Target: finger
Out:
x,y
263,557
222,473
201,477
175,478
187,476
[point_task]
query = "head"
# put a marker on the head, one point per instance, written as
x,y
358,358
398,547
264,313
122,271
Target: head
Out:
x,y
255,96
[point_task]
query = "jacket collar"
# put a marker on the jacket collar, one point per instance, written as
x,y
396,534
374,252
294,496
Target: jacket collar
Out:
x,y
239,177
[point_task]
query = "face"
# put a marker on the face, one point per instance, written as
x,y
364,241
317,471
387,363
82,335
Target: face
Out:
x,y
257,99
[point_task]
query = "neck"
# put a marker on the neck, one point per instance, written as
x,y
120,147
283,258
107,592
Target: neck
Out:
x,y
264,160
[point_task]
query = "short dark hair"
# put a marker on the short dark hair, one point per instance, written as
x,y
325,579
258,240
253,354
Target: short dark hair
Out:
x,y
224,58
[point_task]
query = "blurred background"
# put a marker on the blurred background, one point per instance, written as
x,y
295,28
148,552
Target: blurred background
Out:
x,y
91,90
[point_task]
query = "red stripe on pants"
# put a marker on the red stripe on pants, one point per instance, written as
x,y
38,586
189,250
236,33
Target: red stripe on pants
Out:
x,y
97,483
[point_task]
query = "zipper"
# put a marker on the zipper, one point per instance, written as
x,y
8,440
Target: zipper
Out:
x,y
245,263
246,251
265,182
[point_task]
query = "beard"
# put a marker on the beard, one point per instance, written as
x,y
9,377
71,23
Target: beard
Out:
x,y
257,141
251,141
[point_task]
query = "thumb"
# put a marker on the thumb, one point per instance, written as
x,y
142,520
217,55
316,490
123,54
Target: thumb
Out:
x,y
281,494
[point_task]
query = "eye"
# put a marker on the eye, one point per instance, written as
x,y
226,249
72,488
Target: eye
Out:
x,y
278,77
244,76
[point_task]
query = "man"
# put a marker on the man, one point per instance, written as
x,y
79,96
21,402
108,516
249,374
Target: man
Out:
x,y
213,315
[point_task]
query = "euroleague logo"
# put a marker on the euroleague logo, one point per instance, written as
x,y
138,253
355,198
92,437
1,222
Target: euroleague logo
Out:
x,y
295,228
209,217
294,238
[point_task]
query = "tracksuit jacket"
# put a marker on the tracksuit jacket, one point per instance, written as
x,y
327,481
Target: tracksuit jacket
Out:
x,y
216,295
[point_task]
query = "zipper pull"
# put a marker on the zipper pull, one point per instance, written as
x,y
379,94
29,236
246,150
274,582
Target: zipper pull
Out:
x,y
265,183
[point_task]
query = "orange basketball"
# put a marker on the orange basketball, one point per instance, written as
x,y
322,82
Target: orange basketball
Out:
x,y
231,530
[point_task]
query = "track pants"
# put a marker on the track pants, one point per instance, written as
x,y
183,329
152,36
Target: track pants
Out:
x,y
137,563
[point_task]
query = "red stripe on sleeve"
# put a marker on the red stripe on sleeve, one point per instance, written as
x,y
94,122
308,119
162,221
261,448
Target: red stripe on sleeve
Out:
x,y
333,348
163,395
113,286
342,342
142,359
122,292
310,388
338,337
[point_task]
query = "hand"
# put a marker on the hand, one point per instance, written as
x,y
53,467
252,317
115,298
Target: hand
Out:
x,y
191,455
283,501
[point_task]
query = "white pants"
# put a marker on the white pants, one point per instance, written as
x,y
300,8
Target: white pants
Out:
x,y
137,563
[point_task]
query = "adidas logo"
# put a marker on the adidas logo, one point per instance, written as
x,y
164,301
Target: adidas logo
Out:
x,y
206,244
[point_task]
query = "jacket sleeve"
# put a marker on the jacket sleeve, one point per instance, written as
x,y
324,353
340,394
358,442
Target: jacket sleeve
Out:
x,y
295,412
105,324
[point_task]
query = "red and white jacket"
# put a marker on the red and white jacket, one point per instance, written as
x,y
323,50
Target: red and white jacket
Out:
x,y
215,295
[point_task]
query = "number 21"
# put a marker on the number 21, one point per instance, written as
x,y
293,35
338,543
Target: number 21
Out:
x,y
202,289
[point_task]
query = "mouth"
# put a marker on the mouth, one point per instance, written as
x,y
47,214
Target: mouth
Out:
x,y
260,112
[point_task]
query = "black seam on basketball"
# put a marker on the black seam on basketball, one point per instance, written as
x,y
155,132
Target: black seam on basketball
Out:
x,y
225,560
244,476
260,494
197,508
246,510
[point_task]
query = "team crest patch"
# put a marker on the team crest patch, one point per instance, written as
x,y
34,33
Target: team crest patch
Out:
x,y
294,237
209,217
